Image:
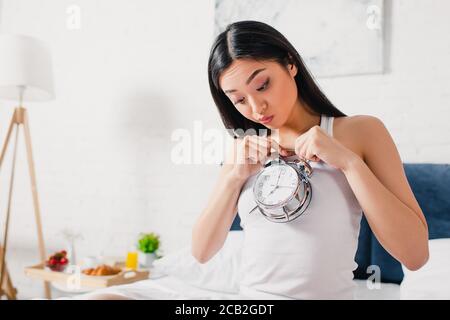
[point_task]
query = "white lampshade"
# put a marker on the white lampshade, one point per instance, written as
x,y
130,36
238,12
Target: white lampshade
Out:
x,y
25,62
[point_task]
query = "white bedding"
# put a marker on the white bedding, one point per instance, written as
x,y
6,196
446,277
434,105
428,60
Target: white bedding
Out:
x,y
163,288
171,288
179,276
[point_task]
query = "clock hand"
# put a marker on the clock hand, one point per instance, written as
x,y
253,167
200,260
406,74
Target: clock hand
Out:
x,y
270,192
276,186
278,180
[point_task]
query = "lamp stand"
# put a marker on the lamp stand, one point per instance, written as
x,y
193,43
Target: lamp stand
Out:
x,y
7,288
20,117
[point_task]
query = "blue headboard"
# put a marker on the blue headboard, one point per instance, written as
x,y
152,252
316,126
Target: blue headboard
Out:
x,y
431,186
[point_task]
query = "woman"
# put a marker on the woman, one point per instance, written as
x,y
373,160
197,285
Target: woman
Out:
x,y
259,81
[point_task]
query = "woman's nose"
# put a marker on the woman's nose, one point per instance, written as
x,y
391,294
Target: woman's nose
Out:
x,y
258,106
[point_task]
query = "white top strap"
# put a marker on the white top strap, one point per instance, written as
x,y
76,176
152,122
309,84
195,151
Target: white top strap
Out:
x,y
326,123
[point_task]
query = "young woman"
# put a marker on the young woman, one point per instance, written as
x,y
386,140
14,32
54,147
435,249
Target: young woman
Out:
x,y
259,81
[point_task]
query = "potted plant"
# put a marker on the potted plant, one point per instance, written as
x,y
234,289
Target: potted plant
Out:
x,y
148,245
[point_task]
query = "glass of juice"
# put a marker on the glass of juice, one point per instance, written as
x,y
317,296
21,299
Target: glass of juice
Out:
x,y
132,259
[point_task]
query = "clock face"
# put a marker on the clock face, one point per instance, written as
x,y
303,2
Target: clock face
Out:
x,y
275,184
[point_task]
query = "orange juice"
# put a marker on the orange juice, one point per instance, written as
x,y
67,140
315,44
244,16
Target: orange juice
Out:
x,y
132,260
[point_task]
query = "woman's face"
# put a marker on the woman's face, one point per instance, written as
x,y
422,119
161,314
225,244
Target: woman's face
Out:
x,y
261,90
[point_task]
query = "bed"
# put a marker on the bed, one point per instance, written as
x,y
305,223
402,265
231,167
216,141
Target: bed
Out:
x,y
180,276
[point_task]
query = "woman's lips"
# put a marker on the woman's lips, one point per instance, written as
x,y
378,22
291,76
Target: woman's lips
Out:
x,y
266,119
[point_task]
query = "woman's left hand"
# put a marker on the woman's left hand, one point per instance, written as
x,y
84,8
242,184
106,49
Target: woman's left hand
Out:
x,y
316,145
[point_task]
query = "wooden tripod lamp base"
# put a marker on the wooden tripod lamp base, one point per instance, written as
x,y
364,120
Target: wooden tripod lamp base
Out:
x,y
27,75
20,119
7,288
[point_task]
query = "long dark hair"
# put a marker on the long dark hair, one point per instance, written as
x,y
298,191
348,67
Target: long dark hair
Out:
x,y
259,41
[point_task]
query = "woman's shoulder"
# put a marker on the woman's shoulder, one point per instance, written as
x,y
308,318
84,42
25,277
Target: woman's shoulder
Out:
x,y
356,131
348,124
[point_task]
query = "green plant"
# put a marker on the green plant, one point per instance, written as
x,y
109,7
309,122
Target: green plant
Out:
x,y
148,242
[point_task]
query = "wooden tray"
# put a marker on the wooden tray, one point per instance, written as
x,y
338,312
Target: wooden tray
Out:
x,y
39,272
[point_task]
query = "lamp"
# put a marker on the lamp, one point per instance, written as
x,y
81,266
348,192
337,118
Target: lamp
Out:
x,y
25,75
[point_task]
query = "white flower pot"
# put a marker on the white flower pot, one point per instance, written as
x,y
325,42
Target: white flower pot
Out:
x,y
146,259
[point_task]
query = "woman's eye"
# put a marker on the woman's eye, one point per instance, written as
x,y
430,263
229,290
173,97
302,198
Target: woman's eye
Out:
x,y
264,86
239,101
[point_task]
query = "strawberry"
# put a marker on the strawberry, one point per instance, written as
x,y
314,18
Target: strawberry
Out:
x,y
63,261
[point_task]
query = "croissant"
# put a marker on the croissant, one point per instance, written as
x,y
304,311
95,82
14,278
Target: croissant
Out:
x,y
102,270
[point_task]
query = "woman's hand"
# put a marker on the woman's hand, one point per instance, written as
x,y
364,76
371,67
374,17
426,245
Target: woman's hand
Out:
x,y
251,154
316,145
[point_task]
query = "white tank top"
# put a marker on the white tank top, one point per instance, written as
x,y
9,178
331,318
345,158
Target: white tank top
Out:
x,y
311,257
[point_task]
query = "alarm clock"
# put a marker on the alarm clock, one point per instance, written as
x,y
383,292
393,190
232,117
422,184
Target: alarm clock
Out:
x,y
282,189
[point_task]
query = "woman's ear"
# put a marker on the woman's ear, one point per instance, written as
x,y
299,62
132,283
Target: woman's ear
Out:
x,y
292,69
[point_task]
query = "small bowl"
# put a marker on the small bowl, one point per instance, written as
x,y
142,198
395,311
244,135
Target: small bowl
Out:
x,y
57,267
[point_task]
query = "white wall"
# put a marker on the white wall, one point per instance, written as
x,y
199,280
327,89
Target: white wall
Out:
x,y
134,72
413,97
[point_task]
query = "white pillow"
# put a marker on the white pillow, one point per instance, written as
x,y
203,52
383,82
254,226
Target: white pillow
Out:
x,y
220,273
432,281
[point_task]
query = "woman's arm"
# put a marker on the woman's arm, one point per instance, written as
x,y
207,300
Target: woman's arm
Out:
x,y
382,189
212,226
244,159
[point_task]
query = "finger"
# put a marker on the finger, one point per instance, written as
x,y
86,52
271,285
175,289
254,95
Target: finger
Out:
x,y
299,151
275,145
302,155
259,146
251,153
300,147
257,158
254,152
287,152
267,152
300,141
258,140
281,150
310,155
267,145
260,151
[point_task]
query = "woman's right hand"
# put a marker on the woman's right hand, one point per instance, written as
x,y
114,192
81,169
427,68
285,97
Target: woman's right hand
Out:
x,y
251,153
